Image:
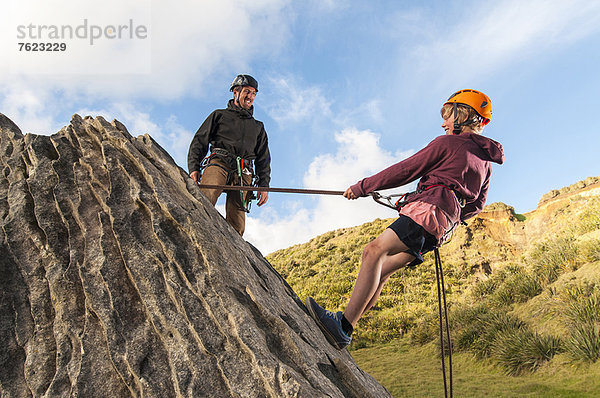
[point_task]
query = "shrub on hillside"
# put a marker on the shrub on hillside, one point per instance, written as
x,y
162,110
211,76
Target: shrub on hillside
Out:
x,y
504,338
584,342
425,329
484,288
466,325
381,327
519,350
589,250
478,329
590,219
581,303
552,257
517,288
581,308
511,285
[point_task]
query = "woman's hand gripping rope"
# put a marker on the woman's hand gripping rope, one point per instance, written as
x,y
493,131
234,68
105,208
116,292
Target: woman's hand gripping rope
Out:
x,y
348,194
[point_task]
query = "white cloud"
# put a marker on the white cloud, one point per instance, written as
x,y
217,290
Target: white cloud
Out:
x,y
169,134
189,45
295,102
328,5
37,112
358,155
500,33
30,109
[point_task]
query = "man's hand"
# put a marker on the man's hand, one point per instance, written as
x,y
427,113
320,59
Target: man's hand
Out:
x,y
349,194
262,197
195,175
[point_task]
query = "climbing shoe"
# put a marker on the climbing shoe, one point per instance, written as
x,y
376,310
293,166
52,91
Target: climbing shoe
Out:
x,y
330,323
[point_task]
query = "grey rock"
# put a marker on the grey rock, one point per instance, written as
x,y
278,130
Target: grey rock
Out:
x,y
119,279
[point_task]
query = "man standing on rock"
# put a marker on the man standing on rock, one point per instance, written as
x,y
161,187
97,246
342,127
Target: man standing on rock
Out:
x,y
237,143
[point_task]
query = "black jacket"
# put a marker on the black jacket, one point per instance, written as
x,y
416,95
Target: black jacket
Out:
x,y
235,130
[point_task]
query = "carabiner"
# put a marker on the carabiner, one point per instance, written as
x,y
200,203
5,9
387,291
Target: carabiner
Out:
x,y
387,201
382,199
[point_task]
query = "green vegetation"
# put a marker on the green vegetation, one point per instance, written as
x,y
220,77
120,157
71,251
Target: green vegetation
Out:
x,y
523,295
581,310
415,371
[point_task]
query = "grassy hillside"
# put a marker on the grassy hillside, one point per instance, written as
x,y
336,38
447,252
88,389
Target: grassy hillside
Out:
x,y
414,371
522,289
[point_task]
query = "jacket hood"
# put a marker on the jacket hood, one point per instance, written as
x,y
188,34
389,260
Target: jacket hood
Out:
x,y
492,148
246,112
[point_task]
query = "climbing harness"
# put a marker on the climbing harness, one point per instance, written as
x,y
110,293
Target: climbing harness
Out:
x,y
237,166
460,201
387,201
220,154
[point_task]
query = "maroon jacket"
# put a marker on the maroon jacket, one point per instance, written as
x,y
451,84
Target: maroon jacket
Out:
x,y
461,162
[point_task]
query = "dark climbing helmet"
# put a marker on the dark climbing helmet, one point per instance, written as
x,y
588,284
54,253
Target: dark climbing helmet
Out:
x,y
244,80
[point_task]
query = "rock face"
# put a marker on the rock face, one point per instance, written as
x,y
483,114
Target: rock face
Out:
x,y
119,279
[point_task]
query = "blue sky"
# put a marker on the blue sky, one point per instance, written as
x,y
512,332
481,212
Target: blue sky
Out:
x,y
346,87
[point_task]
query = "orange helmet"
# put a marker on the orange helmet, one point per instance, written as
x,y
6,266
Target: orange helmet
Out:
x,y
477,100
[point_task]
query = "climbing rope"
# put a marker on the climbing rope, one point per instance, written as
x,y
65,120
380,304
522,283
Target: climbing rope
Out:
x,y
384,200
440,287
268,189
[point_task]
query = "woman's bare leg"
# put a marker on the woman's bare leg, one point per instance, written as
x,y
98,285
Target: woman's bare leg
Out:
x,y
389,267
372,274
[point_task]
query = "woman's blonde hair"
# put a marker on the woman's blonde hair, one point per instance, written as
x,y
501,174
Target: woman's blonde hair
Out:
x,y
464,113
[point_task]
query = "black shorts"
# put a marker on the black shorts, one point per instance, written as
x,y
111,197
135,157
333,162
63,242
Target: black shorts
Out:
x,y
415,237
